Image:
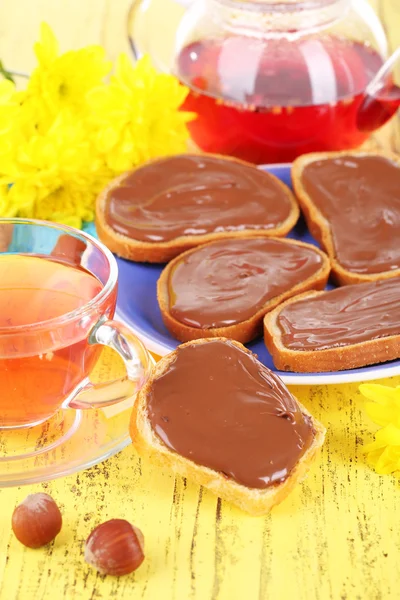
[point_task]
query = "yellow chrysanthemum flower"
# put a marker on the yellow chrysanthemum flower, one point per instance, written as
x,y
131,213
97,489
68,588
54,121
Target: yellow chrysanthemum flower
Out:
x,y
8,106
384,409
56,176
10,126
137,116
62,82
69,133
6,207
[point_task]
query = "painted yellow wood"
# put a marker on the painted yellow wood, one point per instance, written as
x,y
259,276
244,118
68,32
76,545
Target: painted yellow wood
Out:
x,y
335,538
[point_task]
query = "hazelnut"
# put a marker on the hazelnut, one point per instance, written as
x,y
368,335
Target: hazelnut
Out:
x,y
115,548
37,521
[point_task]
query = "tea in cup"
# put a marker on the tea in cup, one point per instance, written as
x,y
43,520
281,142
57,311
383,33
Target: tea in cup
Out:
x,y
58,291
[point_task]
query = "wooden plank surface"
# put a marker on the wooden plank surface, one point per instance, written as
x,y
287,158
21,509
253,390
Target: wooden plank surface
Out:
x,y
336,537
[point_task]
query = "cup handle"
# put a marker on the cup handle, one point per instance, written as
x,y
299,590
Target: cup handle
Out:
x,y
137,361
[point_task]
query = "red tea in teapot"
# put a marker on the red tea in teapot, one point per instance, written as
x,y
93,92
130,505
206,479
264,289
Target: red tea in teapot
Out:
x,y
270,101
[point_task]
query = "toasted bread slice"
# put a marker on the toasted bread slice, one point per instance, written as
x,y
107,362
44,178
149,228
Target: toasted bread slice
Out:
x,y
163,251
256,501
376,334
238,276
363,226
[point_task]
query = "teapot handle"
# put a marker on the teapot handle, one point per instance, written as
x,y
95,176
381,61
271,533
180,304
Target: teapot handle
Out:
x,y
384,74
364,8
381,97
146,22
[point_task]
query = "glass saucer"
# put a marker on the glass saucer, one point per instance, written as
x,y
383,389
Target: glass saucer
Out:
x,y
72,440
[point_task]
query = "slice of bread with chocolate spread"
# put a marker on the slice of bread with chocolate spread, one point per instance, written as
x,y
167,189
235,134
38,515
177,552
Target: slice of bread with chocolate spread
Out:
x,y
351,202
345,328
169,205
214,414
224,288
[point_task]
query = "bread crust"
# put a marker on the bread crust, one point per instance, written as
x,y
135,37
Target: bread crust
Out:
x,y
162,252
246,330
331,359
254,501
319,226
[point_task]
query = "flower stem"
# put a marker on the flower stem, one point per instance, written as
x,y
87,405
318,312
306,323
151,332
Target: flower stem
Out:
x,y
5,73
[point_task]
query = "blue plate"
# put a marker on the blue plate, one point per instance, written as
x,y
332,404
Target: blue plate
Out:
x,y
138,307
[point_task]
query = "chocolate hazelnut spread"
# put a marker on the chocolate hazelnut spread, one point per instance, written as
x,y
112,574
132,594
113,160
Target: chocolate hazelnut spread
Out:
x,y
218,406
228,281
344,316
360,197
195,195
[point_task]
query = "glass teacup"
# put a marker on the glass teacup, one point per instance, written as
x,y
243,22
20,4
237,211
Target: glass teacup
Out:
x,y
58,292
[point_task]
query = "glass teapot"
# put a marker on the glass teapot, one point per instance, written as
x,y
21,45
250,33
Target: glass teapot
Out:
x,y
273,79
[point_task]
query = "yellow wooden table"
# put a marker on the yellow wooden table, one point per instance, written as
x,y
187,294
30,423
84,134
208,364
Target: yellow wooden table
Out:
x,y
336,537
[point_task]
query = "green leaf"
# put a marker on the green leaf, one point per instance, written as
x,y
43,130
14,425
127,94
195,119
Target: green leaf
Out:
x,y
5,73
